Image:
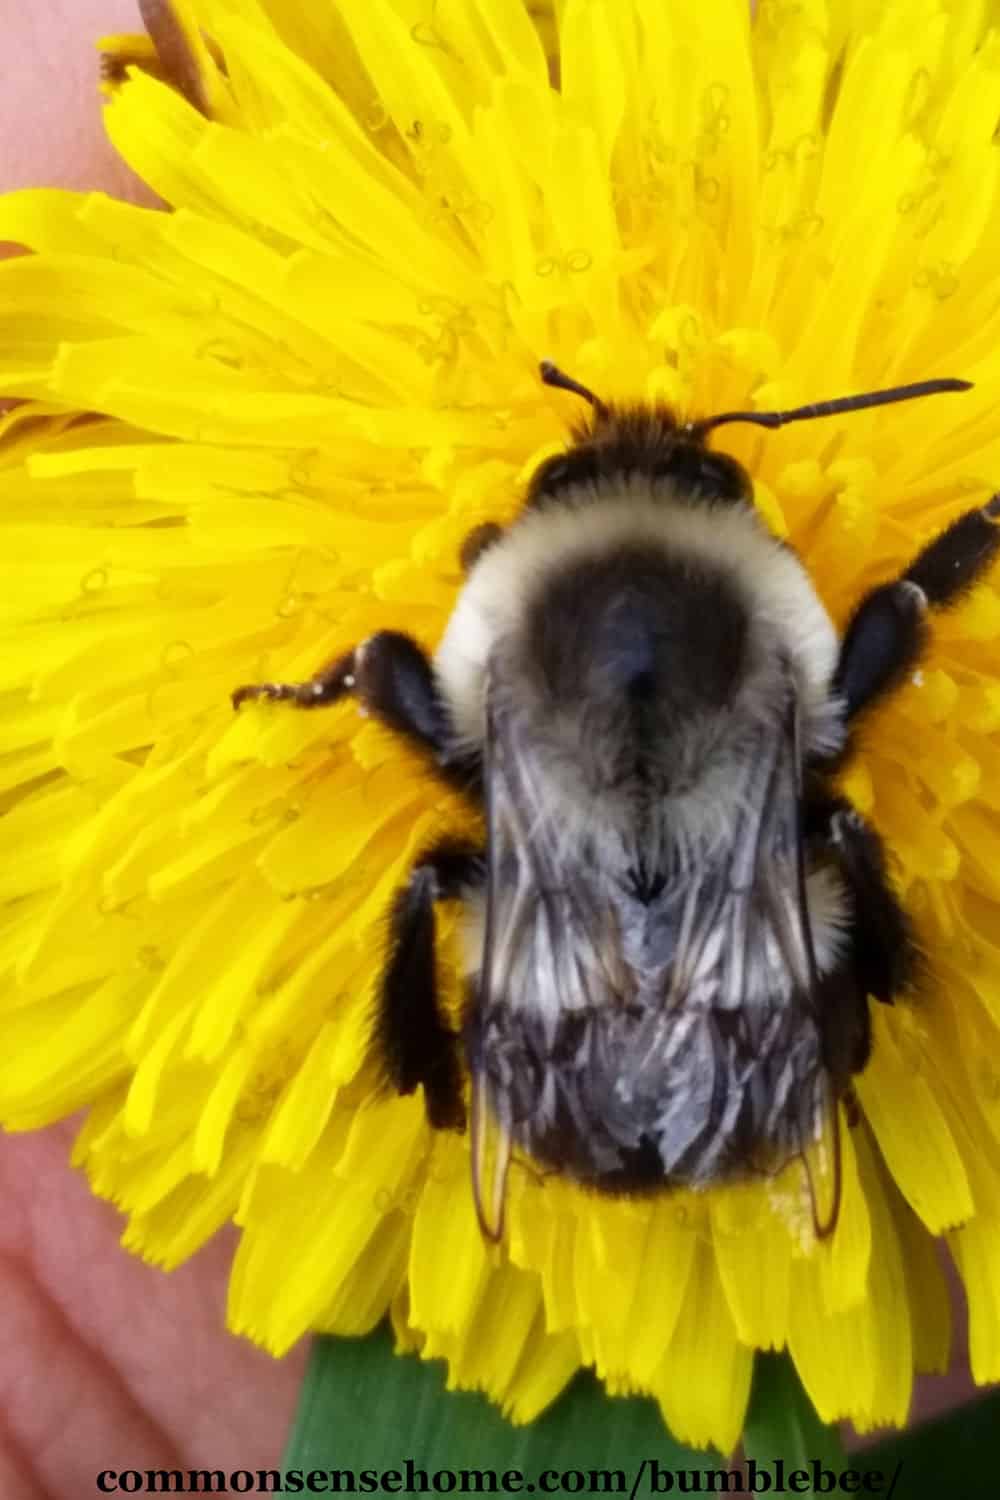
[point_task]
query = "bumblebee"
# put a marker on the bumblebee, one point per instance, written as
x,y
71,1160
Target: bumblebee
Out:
x,y
676,924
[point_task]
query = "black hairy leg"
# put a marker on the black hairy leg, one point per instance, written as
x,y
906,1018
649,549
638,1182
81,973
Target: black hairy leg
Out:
x,y
881,958
414,1042
393,678
844,1022
888,630
885,955
329,685
882,643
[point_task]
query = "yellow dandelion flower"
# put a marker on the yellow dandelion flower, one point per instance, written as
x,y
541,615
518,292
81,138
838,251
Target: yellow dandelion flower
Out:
x,y
255,429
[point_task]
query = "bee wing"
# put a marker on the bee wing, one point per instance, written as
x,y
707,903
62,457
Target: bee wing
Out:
x,y
491,1149
769,948
742,944
546,934
821,1148
821,1160
743,927
491,1120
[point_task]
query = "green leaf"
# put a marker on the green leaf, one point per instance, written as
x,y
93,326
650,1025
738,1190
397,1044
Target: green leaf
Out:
x,y
364,1407
953,1455
782,1424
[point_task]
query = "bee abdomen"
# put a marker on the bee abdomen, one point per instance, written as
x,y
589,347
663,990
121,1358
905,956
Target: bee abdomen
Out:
x,y
634,1100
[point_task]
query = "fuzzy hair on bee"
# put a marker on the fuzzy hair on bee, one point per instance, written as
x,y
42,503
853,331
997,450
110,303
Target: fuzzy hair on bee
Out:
x,y
676,924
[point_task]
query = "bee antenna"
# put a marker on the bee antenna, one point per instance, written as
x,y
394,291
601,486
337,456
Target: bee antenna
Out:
x,y
552,375
698,430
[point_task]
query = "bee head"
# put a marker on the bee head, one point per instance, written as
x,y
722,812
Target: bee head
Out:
x,y
643,441
648,441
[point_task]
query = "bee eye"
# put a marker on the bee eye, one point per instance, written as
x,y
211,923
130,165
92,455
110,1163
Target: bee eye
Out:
x,y
578,466
709,476
478,541
723,478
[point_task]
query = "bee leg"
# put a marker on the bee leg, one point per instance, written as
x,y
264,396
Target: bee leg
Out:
x,y
329,685
888,630
416,1044
393,679
852,1109
958,559
878,959
882,643
885,954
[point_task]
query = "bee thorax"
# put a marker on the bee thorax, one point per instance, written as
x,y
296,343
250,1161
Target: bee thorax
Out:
x,y
634,640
